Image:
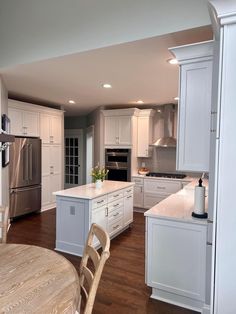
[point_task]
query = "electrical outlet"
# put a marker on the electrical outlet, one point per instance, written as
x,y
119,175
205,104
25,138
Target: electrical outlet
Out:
x,y
72,210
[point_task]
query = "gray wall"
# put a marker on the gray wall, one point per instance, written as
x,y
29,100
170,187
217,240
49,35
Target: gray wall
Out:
x,y
34,30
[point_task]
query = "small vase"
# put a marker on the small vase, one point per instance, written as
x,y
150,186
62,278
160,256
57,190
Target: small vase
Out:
x,y
98,184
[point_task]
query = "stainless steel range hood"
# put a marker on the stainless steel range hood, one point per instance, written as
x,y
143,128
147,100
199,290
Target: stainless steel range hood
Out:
x,y
168,140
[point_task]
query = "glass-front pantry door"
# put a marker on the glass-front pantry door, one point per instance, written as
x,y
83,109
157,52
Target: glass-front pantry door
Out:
x,y
73,157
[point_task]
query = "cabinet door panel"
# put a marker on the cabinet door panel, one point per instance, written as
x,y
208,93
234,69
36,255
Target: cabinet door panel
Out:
x,y
125,131
194,117
111,131
46,190
45,128
143,137
128,210
55,158
31,123
55,129
55,185
138,196
16,118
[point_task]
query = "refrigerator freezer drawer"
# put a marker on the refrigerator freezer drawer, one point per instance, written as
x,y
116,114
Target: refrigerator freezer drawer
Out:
x,y
25,200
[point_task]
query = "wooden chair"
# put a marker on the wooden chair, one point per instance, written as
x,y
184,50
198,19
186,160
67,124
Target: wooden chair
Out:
x,y
4,211
91,267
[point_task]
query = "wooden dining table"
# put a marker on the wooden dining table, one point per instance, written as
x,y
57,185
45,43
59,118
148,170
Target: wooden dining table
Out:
x,y
36,280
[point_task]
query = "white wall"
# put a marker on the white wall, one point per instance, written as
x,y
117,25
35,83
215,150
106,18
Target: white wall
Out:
x,y
34,30
4,181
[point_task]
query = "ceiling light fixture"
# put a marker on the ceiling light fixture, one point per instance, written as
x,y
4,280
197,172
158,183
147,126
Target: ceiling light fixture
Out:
x,y
71,101
139,101
106,85
172,61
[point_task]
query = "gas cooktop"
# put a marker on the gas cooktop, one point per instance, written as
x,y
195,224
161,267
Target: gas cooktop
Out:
x,y
166,175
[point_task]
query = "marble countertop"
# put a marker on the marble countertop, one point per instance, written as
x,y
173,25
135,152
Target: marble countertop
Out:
x,y
178,206
89,191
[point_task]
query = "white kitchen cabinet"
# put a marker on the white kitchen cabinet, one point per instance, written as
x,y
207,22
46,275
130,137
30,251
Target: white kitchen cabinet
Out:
x,y
23,122
51,174
50,129
119,127
145,133
194,112
99,216
176,261
128,209
156,190
118,131
138,192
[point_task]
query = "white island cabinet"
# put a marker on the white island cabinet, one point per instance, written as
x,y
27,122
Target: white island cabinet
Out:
x,y
77,208
176,252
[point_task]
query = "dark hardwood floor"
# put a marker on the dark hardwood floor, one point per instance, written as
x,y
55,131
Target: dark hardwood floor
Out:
x,y
122,289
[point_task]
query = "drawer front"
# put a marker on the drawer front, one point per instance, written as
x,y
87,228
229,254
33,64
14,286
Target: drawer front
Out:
x,y
115,195
99,201
151,200
128,191
115,214
162,186
138,181
115,226
115,204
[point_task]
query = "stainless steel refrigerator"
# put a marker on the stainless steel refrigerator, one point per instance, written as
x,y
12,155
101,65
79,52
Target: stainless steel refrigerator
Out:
x,y
25,176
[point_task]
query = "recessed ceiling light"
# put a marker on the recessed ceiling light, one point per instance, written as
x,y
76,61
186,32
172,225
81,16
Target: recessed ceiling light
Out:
x,y
176,98
139,101
172,61
106,85
71,101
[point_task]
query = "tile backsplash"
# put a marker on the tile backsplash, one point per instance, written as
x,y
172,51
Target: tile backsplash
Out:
x,y
162,160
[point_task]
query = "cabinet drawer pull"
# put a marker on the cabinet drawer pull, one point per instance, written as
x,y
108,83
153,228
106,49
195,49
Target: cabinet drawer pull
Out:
x,y
129,196
106,212
161,187
116,205
117,226
99,202
128,191
116,195
115,214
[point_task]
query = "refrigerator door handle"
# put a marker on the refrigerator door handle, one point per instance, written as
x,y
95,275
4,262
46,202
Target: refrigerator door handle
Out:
x,y
25,163
30,161
25,189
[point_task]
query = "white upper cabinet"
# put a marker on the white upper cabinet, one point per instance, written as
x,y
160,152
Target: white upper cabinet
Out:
x,y
194,113
50,129
145,132
118,127
23,122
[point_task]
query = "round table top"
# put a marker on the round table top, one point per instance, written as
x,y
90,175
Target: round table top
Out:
x,y
36,280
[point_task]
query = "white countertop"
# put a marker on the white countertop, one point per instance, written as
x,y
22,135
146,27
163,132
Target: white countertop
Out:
x,y
89,191
178,206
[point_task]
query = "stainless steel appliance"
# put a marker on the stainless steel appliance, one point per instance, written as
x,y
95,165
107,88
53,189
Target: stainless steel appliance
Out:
x,y
166,175
25,176
118,162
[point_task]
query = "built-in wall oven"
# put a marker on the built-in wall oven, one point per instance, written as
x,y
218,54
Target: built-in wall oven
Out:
x,y
118,162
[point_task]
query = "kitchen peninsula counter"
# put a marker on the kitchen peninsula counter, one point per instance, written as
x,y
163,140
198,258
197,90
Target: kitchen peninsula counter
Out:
x,y
77,208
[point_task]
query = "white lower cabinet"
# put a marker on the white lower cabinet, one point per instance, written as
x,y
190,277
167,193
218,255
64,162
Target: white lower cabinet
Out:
x,y
112,211
156,190
138,192
176,261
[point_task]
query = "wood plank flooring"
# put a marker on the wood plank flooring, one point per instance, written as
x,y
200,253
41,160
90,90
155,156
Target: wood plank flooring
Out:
x,y
122,289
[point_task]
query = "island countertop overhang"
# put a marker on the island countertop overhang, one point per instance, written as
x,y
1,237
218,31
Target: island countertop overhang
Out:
x,y
89,191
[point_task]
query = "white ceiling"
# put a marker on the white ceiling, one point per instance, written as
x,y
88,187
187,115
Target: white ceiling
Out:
x,y
136,70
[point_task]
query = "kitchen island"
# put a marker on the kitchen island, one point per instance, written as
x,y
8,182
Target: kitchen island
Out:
x,y
176,248
77,208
